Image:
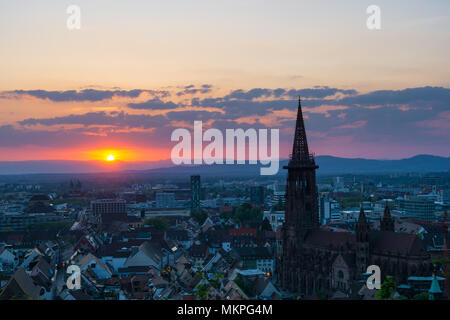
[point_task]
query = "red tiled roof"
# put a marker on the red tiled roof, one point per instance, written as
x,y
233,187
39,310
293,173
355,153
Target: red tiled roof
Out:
x,y
226,209
279,233
242,231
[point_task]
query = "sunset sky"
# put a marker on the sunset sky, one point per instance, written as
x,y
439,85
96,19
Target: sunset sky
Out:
x,y
136,70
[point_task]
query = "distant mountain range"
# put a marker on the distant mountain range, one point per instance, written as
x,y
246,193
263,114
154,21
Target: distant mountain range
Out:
x,y
327,165
419,163
70,166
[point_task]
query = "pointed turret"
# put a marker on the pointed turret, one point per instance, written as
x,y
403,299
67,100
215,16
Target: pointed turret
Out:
x,y
362,227
435,290
387,223
362,217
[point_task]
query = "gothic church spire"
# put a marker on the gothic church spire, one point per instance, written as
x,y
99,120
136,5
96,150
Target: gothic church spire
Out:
x,y
300,151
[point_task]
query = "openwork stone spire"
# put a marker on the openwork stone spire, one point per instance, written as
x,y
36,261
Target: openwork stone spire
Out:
x,y
300,151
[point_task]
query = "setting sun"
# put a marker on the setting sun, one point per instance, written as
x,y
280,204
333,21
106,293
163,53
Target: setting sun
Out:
x,y
110,158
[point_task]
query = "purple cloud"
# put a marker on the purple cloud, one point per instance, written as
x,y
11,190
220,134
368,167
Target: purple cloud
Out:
x,y
91,95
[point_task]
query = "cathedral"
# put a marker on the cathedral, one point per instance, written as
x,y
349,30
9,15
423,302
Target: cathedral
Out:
x,y
317,261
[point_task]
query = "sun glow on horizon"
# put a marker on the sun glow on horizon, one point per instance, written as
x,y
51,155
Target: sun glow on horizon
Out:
x,y
110,155
122,154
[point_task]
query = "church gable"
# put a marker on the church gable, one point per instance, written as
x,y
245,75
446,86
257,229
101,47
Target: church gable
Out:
x,y
341,275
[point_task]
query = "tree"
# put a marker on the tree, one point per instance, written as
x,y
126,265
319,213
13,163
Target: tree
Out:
x,y
52,225
388,288
24,296
199,216
246,212
202,291
279,206
321,295
203,288
216,281
266,225
241,283
440,263
157,223
421,296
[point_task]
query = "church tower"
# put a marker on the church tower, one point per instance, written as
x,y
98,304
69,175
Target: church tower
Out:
x,y
301,211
